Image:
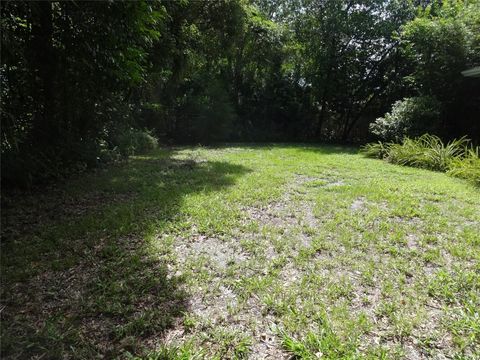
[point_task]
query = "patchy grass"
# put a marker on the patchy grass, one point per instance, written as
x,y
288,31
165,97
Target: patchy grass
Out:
x,y
244,252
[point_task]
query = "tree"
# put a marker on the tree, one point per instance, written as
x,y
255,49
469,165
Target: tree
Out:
x,y
67,69
438,45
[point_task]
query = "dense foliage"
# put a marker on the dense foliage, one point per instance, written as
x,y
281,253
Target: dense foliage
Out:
x,y
84,82
410,116
69,71
438,44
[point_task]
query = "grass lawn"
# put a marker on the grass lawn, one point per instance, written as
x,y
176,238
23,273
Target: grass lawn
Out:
x,y
244,252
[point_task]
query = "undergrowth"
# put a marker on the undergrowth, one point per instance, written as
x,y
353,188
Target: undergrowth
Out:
x,y
457,158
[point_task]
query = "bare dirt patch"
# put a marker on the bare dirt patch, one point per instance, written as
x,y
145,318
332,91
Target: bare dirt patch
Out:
x,y
220,253
359,204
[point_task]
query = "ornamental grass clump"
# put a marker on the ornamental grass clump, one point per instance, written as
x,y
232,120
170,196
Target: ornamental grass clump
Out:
x,y
457,157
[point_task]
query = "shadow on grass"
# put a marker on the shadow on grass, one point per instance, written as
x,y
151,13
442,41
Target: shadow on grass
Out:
x,y
87,281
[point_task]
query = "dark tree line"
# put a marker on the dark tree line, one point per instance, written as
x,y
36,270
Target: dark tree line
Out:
x,y
85,82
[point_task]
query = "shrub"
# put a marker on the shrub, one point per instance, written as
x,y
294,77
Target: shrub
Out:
x,y
407,153
437,155
409,117
134,141
429,152
108,156
467,167
376,150
144,141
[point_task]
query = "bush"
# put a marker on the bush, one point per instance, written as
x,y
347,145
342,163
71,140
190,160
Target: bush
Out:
x,y
134,141
429,152
409,117
376,150
467,167
144,141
